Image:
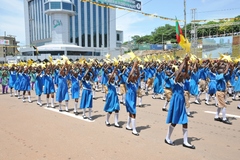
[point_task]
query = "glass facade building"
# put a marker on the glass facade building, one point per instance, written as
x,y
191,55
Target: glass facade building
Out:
x,y
92,26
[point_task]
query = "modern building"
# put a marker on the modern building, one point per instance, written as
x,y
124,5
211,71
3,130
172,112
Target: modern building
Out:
x,y
69,27
8,47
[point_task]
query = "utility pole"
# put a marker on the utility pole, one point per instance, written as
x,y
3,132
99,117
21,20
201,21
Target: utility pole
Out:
x,y
185,18
193,31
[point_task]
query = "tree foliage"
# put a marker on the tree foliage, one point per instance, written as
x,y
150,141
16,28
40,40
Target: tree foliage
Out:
x,y
168,33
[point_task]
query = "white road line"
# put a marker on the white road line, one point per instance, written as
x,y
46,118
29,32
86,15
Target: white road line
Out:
x,y
68,114
229,115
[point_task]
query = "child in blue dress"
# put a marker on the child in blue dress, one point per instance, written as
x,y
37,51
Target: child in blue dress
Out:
x,y
25,85
131,98
62,90
12,80
49,88
87,97
112,102
211,85
158,83
18,80
38,86
75,88
177,112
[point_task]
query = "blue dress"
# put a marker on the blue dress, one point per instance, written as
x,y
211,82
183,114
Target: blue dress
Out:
x,y
48,84
212,88
12,79
62,91
177,113
17,83
25,83
194,84
237,83
86,99
75,88
112,102
38,85
131,97
158,83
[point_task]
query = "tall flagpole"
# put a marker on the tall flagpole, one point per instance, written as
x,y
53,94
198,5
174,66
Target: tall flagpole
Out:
x,y
185,19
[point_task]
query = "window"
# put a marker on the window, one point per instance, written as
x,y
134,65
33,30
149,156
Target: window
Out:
x,y
66,6
55,5
118,37
46,6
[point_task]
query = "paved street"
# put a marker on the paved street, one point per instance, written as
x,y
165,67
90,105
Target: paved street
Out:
x,y
28,131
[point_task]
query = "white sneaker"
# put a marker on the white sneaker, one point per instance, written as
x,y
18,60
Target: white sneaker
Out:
x,y
207,102
29,101
24,100
196,101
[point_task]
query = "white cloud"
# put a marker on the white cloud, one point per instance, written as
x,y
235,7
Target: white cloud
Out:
x,y
128,24
12,19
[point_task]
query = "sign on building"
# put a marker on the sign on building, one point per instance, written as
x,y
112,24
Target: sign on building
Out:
x,y
4,42
131,4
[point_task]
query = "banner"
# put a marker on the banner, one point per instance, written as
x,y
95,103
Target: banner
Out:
x,y
4,42
129,10
131,4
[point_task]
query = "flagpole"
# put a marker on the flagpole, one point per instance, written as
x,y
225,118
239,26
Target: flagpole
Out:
x,y
185,18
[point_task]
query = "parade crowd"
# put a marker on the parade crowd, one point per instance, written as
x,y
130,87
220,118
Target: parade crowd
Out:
x,y
175,81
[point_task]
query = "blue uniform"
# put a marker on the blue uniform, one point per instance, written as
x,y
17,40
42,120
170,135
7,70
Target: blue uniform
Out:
x,y
212,84
86,99
48,84
25,82
112,102
177,113
12,79
75,88
158,83
38,85
221,82
194,83
131,97
62,91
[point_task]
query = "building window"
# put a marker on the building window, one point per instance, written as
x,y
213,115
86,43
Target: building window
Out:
x,y
67,6
118,37
46,6
55,5
82,24
105,27
94,27
88,25
100,26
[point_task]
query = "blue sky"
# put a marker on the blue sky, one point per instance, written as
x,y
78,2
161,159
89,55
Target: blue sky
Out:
x,y
12,15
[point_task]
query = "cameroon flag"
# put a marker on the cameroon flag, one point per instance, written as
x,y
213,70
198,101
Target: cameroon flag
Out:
x,y
180,38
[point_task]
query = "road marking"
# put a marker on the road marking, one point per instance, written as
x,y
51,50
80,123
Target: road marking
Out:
x,y
229,115
68,114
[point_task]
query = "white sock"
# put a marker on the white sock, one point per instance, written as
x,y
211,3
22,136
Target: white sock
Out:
x,y
84,111
116,119
133,120
89,112
39,99
123,98
93,94
15,92
188,112
234,96
218,112
47,101
154,95
207,97
128,122
66,105
140,100
165,105
161,96
224,113
185,137
169,133
75,106
52,102
108,116
18,94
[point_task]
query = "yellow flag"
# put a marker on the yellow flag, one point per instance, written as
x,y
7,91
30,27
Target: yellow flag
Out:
x,y
107,56
50,59
132,55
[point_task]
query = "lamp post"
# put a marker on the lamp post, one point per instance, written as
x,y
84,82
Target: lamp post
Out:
x,y
162,42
